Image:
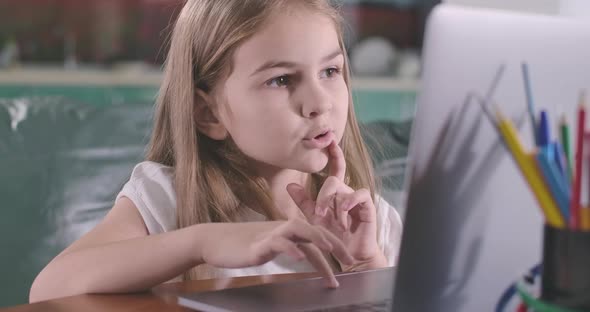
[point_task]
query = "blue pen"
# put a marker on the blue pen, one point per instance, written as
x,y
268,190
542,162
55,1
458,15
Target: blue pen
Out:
x,y
544,134
559,160
554,181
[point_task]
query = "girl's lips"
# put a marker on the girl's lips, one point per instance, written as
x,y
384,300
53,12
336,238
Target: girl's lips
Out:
x,y
321,141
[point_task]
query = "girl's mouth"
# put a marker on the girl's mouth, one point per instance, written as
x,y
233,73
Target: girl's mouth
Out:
x,y
321,135
320,141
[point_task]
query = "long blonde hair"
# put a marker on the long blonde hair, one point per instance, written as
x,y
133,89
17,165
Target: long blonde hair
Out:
x,y
211,177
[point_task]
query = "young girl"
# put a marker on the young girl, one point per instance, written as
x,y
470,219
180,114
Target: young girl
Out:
x,y
255,165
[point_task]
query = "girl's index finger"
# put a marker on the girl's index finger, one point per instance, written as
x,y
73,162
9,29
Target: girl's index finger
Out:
x,y
336,161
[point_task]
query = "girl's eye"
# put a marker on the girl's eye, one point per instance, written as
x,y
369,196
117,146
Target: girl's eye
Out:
x,y
330,72
281,81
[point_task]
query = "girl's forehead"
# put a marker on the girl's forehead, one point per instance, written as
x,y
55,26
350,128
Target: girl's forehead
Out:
x,y
291,37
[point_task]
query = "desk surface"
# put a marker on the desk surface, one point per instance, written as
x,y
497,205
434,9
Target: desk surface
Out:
x,y
161,298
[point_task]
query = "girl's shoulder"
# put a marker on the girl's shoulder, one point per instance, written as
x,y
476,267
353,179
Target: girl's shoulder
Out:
x,y
151,189
153,171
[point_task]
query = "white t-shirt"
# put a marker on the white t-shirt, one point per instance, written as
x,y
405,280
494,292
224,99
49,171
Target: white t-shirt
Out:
x,y
151,189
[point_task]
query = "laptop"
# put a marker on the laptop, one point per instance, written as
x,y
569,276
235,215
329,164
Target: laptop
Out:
x,y
471,226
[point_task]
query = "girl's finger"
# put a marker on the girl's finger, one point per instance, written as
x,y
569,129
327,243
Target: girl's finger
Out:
x,y
336,161
276,245
282,245
319,262
341,214
301,199
338,249
325,196
362,199
300,231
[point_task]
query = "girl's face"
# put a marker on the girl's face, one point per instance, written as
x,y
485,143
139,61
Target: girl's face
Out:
x,y
286,98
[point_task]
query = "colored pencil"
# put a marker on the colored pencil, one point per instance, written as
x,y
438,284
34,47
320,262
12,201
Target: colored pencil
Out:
x,y
529,99
528,167
554,180
577,185
566,145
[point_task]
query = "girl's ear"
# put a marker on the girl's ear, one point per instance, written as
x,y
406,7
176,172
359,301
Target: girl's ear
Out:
x,y
206,119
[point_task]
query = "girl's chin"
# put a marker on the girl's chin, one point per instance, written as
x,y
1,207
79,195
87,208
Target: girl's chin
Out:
x,y
313,166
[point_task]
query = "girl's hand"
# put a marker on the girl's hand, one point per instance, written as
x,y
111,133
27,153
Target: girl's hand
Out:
x,y
348,214
238,245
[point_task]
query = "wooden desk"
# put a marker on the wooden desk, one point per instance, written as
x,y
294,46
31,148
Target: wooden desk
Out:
x,y
161,298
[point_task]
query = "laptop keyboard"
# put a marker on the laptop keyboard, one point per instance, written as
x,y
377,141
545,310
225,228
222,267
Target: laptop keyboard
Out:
x,y
376,306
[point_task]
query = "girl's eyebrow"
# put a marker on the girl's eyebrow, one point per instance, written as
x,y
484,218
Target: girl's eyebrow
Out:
x,y
286,64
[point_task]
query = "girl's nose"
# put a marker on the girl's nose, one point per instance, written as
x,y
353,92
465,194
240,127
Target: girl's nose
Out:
x,y
316,101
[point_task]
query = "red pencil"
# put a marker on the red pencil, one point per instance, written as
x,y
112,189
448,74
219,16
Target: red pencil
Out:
x,y
585,198
577,187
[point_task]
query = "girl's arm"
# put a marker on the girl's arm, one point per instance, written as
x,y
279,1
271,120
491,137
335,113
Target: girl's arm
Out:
x,y
119,255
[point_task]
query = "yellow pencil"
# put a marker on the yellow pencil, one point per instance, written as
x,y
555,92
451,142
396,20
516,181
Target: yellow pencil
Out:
x,y
585,218
527,164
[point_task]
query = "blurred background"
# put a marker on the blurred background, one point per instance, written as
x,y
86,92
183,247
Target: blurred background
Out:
x,y
105,34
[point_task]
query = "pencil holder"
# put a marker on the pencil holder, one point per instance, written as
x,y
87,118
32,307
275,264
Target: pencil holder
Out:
x,y
566,268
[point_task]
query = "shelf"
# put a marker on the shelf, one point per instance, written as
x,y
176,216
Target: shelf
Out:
x,y
134,76
385,84
83,77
